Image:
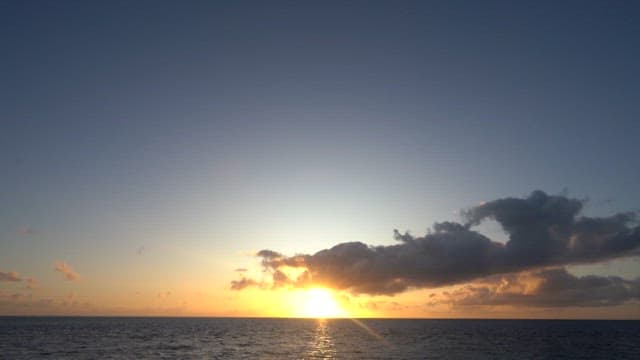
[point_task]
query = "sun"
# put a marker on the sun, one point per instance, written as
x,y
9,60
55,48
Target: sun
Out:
x,y
319,303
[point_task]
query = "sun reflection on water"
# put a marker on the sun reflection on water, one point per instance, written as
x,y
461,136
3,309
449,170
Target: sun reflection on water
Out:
x,y
322,346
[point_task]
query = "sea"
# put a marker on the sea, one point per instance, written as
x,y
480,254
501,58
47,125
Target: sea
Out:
x,y
262,338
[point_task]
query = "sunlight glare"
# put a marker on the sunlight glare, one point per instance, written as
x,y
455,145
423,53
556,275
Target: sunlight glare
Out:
x,y
320,303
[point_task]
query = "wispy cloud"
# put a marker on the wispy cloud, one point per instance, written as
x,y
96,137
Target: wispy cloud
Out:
x,y
12,297
13,276
544,230
23,304
163,295
66,270
31,283
10,276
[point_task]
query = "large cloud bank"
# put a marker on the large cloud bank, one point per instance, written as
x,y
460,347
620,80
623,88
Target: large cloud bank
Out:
x,y
544,231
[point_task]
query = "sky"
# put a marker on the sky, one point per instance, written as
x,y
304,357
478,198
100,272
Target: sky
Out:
x,y
230,158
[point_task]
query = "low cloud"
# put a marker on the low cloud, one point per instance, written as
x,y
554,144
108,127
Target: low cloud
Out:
x,y
26,304
10,297
544,230
545,288
243,283
31,283
66,270
10,276
13,276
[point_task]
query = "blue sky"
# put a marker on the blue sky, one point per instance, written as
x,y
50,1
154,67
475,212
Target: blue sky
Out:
x,y
224,127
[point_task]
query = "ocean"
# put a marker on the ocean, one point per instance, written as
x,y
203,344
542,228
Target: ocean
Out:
x,y
238,338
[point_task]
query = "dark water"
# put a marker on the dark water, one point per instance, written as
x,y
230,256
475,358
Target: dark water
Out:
x,y
222,338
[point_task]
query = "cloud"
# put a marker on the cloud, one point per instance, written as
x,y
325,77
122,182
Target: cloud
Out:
x,y
10,276
31,283
13,297
243,283
543,230
26,304
140,251
13,276
67,271
545,288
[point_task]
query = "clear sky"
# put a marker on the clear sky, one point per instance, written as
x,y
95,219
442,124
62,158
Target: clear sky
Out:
x,y
150,149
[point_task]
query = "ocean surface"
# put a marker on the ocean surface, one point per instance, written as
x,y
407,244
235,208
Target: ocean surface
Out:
x,y
233,338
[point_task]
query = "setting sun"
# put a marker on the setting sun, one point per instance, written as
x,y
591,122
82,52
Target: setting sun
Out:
x,y
320,303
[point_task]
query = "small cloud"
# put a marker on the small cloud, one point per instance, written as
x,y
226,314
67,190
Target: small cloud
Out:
x,y
10,276
243,283
396,306
10,297
31,283
240,270
45,301
67,271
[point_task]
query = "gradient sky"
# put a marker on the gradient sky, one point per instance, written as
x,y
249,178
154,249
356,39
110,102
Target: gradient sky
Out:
x,y
153,147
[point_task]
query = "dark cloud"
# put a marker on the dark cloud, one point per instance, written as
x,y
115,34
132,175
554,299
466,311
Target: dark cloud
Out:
x,y
546,229
546,288
10,276
543,231
243,283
